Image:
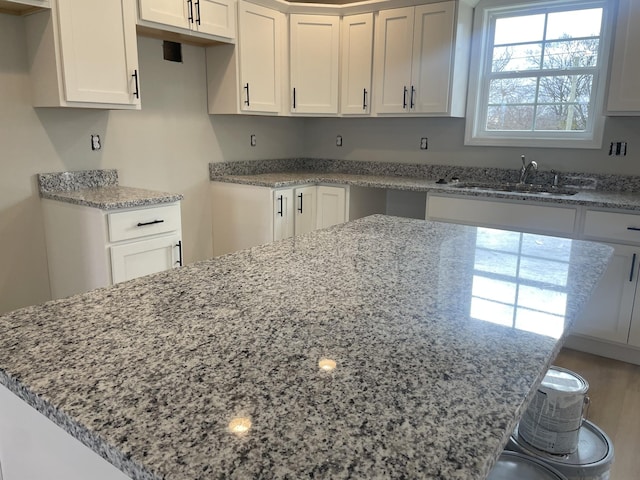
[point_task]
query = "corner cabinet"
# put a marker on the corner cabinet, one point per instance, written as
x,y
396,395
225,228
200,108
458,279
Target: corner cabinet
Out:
x,y
247,78
245,215
202,18
83,53
89,248
314,63
357,64
421,57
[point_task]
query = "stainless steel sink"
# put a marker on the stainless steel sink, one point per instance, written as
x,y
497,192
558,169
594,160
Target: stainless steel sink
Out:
x,y
517,188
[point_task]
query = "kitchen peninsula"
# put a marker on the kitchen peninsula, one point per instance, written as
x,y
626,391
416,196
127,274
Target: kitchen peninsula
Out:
x,y
433,364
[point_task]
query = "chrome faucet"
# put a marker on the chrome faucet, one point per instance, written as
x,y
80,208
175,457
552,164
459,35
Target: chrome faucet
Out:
x,y
525,171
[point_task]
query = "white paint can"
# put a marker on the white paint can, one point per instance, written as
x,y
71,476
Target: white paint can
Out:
x,y
512,465
553,419
592,459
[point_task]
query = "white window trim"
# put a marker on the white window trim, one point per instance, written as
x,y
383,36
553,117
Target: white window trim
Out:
x,y
473,134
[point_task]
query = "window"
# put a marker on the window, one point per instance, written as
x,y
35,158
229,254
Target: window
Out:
x,y
538,74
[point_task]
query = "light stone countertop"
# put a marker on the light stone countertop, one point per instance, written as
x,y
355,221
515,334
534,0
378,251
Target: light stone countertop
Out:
x,y
113,197
586,197
434,363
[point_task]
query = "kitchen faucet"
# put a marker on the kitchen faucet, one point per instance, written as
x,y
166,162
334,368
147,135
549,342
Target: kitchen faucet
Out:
x,y
525,171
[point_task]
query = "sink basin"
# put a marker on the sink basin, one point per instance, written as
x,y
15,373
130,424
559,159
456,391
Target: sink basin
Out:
x,y
517,188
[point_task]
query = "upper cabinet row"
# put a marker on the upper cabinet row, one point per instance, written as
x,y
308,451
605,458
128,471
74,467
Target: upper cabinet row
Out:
x,y
83,53
415,64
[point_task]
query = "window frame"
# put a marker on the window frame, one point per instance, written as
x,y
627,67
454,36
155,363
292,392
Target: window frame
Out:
x,y
481,60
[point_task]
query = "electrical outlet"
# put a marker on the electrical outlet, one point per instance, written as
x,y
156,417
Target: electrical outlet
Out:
x,y
423,143
253,140
618,149
339,141
95,142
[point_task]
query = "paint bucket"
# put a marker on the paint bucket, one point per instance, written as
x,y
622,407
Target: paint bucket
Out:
x,y
553,419
512,465
591,461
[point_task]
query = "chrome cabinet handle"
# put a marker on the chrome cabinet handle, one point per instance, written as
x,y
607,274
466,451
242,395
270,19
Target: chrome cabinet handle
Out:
x,y
143,224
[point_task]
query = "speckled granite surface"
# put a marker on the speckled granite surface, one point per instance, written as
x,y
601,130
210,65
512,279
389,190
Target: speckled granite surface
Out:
x,y
98,189
434,366
586,194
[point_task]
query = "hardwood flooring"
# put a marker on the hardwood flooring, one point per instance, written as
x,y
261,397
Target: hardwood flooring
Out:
x,y
614,390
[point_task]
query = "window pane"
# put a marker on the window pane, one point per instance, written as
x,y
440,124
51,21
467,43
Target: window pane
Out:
x,y
562,118
500,263
491,289
491,312
512,90
510,118
571,54
516,58
498,240
565,88
554,273
574,24
522,29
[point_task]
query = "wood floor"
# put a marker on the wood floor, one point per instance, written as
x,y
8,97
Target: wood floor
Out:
x,y
614,390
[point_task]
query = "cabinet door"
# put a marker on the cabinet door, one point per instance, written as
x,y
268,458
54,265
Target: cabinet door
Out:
x,y
99,51
305,214
392,60
167,12
624,94
215,17
357,61
433,51
136,259
331,209
260,45
314,63
608,314
283,218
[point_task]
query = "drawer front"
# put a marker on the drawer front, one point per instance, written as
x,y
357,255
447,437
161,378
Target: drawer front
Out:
x,y
514,216
618,227
143,222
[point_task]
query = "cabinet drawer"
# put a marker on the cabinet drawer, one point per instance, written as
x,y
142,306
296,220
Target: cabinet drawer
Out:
x,y
143,222
515,216
619,227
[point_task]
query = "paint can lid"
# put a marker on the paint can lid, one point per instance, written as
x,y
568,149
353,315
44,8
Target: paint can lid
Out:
x,y
562,380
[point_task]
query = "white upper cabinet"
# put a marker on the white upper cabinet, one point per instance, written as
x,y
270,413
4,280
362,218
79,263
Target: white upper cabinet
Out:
x,y
624,83
314,63
421,59
22,7
248,78
357,63
83,53
203,18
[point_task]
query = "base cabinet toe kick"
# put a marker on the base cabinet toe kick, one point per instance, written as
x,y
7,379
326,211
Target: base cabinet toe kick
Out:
x,y
610,324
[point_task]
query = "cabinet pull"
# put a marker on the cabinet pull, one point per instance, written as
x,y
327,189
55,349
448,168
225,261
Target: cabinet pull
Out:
x,y
633,267
143,224
179,245
294,97
246,87
364,99
413,91
300,208
198,12
404,98
635,229
280,210
190,4
136,92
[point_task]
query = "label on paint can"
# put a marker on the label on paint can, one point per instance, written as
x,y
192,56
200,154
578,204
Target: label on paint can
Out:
x,y
548,440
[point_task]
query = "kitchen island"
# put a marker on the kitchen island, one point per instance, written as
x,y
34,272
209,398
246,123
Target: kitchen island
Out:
x,y
439,335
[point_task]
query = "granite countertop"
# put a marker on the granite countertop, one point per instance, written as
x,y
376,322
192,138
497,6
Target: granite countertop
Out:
x,y
588,197
431,326
98,189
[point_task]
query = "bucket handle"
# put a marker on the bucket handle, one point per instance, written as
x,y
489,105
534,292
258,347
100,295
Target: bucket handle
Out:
x,y
585,409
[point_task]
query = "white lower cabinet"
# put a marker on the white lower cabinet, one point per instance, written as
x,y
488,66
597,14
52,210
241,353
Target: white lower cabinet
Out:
x,y
32,447
245,215
90,248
